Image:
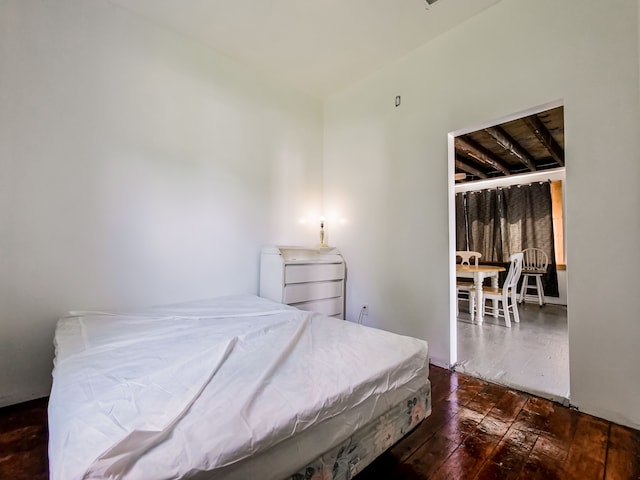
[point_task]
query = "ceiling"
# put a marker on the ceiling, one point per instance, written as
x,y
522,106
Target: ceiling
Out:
x,y
319,47
524,145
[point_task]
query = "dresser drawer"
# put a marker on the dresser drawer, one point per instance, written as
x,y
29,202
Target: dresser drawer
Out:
x,y
328,306
302,292
308,278
313,272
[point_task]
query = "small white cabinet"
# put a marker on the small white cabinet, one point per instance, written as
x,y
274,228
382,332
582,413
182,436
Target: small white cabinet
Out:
x,y
305,277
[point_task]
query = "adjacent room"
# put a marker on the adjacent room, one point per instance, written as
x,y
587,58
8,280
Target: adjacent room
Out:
x,y
509,197
151,149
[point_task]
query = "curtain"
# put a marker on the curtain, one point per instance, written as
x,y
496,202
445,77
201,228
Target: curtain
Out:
x,y
503,221
483,220
462,239
529,223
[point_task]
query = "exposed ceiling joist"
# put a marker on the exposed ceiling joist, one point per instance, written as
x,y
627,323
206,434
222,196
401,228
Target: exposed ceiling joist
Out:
x,y
545,137
469,147
513,147
520,146
465,167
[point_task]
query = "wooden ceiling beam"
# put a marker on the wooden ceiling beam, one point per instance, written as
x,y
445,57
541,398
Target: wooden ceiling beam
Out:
x,y
472,149
511,146
545,137
465,167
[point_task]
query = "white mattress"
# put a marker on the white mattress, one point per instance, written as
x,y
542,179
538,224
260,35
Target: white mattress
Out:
x,y
225,388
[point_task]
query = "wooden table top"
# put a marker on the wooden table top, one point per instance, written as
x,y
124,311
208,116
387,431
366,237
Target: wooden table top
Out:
x,y
479,268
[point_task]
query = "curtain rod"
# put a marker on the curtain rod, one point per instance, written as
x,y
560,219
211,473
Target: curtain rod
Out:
x,y
540,175
502,187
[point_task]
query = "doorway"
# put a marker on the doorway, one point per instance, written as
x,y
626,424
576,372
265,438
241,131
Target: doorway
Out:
x,y
519,150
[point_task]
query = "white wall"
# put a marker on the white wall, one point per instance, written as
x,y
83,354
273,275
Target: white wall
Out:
x,y
386,169
137,168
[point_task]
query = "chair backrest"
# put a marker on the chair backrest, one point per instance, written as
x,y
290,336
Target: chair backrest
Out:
x,y
468,257
515,269
535,260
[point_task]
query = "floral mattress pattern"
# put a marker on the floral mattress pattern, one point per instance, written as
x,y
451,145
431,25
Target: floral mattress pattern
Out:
x,y
355,453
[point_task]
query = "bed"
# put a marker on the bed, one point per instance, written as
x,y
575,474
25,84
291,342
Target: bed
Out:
x,y
234,387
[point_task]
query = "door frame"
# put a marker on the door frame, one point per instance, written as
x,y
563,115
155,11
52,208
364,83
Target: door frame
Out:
x,y
453,322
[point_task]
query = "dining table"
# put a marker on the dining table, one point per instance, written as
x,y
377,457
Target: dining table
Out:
x,y
478,273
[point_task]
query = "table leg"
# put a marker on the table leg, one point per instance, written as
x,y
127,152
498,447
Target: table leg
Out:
x,y
478,278
494,303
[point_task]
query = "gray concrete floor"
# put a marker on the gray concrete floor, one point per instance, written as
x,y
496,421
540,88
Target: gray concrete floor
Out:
x,y
531,356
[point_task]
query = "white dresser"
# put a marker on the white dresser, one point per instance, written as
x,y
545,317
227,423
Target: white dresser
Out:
x,y
306,277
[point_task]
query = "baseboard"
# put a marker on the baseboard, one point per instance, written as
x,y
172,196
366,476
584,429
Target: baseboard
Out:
x,y
8,400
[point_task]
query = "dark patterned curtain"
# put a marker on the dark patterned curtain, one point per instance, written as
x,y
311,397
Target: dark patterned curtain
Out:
x,y
462,240
499,222
483,220
529,223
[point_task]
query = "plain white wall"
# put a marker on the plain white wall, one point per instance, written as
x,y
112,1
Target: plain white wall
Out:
x,y
386,168
137,168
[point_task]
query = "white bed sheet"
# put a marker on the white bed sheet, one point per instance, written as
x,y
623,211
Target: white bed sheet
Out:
x,y
226,386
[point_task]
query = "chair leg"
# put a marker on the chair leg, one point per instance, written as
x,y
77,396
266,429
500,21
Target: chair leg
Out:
x,y
540,290
514,306
523,290
505,309
472,305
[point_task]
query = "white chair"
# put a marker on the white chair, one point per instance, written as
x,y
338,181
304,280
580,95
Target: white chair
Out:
x,y
534,266
506,296
467,257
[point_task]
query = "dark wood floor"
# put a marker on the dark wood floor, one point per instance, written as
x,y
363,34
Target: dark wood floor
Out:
x,y
483,431
477,430
23,441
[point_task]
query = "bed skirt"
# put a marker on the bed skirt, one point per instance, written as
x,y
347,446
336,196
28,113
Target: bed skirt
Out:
x,y
349,458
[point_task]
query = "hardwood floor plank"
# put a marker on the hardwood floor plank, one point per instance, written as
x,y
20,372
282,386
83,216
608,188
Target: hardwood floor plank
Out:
x,y
442,384
426,460
562,423
480,405
23,441
461,425
531,422
588,450
493,393
542,467
509,406
539,406
467,460
623,456
543,416
466,392
493,426
551,448
509,457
